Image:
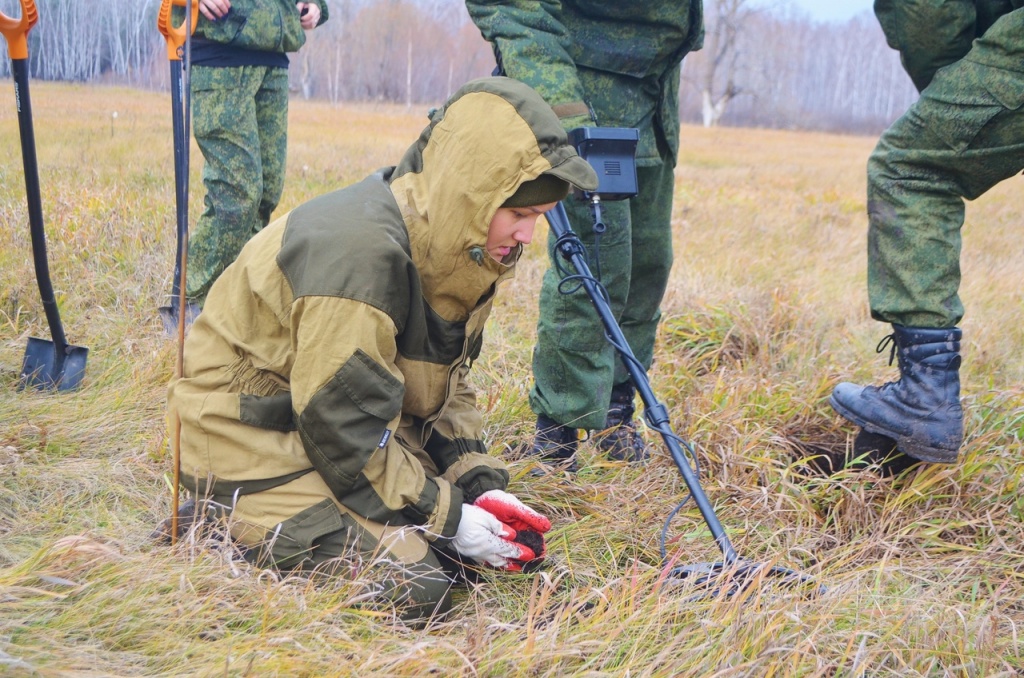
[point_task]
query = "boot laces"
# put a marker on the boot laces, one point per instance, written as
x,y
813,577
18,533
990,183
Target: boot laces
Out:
x,y
888,342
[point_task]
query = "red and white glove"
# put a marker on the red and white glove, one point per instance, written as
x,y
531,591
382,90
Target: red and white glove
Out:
x,y
483,538
514,513
528,526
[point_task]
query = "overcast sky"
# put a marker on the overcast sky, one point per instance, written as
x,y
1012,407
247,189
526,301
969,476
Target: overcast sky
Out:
x,y
829,10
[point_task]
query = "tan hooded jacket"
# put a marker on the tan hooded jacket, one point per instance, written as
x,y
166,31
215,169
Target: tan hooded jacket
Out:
x,y
340,339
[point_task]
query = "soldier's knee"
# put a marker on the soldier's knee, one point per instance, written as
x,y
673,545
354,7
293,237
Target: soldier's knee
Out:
x,y
422,592
879,166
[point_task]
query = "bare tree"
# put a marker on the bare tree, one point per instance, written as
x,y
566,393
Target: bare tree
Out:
x,y
718,79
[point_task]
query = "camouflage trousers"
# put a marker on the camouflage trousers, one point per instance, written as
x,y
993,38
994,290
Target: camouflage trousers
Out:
x,y
240,120
574,365
963,136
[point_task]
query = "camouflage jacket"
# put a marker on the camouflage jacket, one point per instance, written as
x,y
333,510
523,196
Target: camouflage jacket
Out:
x,y
261,25
604,62
340,339
930,34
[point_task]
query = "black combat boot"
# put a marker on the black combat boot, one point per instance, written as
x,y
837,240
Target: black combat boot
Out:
x,y
620,439
922,410
555,444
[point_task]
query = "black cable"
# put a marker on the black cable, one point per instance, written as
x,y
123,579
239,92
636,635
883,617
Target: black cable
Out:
x,y
672,514
567,279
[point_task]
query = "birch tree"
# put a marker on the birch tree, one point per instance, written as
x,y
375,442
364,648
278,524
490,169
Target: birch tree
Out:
x,y
719,78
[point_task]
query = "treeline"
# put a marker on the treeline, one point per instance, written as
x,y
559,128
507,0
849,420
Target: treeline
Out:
x,y
782,69
90,40
792,72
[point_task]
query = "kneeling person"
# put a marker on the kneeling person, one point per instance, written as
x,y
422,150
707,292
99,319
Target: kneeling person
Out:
x,y
324,401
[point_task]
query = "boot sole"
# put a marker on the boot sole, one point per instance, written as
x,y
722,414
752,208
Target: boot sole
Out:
x,y
904,444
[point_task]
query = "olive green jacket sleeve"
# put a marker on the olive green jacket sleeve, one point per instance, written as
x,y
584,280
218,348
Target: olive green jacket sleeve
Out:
x,y
457,447
347,396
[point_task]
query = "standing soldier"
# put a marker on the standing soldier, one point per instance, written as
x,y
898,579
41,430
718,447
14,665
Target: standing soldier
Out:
x,y
963,136
613,64
239,86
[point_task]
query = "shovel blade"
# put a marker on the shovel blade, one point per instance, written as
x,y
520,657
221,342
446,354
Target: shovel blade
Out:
x,y
42,369
169,317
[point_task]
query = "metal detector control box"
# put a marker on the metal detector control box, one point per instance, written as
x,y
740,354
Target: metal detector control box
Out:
x,y
611,151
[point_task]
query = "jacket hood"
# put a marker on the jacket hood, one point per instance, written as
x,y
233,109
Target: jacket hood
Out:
x,y
491,136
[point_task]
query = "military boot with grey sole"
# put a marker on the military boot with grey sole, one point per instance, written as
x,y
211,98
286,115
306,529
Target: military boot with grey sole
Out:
x,y
921,411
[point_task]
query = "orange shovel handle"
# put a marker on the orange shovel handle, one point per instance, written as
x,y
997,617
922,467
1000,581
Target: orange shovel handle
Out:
x,y
16,30
175,35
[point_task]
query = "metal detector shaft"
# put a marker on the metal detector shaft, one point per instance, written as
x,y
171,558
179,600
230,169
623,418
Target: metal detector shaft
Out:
x,y
570,247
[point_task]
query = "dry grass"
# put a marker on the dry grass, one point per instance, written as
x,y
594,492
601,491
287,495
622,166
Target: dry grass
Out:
x,y
765,313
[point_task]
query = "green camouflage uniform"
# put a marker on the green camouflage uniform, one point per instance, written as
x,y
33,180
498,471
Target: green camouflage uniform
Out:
x,y
240,121
614,64
964,135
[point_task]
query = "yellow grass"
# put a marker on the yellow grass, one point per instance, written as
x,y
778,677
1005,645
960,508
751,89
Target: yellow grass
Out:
x,y
766,311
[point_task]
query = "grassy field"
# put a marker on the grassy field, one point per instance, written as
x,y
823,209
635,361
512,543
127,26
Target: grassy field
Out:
x,y
766,312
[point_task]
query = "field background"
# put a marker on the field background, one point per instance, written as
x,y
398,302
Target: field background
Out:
x,y
765,313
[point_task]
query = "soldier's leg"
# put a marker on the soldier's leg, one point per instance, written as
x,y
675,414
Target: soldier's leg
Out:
x,y
963,136
299,526
224,123
573,363
272,122
651,218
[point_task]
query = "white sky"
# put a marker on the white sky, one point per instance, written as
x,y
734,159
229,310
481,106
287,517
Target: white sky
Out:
x,y
827,10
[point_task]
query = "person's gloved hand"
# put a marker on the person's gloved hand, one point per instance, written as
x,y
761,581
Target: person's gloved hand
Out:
x,y
529,526
483,538
514,513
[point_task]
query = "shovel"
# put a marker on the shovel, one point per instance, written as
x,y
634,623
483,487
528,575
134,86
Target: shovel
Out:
x,y
177,39
47,364
178,43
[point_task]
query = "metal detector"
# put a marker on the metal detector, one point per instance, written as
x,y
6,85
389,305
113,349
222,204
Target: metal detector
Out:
x,y
178,54
47,364
611,152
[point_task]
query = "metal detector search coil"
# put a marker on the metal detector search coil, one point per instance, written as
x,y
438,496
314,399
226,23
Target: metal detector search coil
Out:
x,y
611,151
